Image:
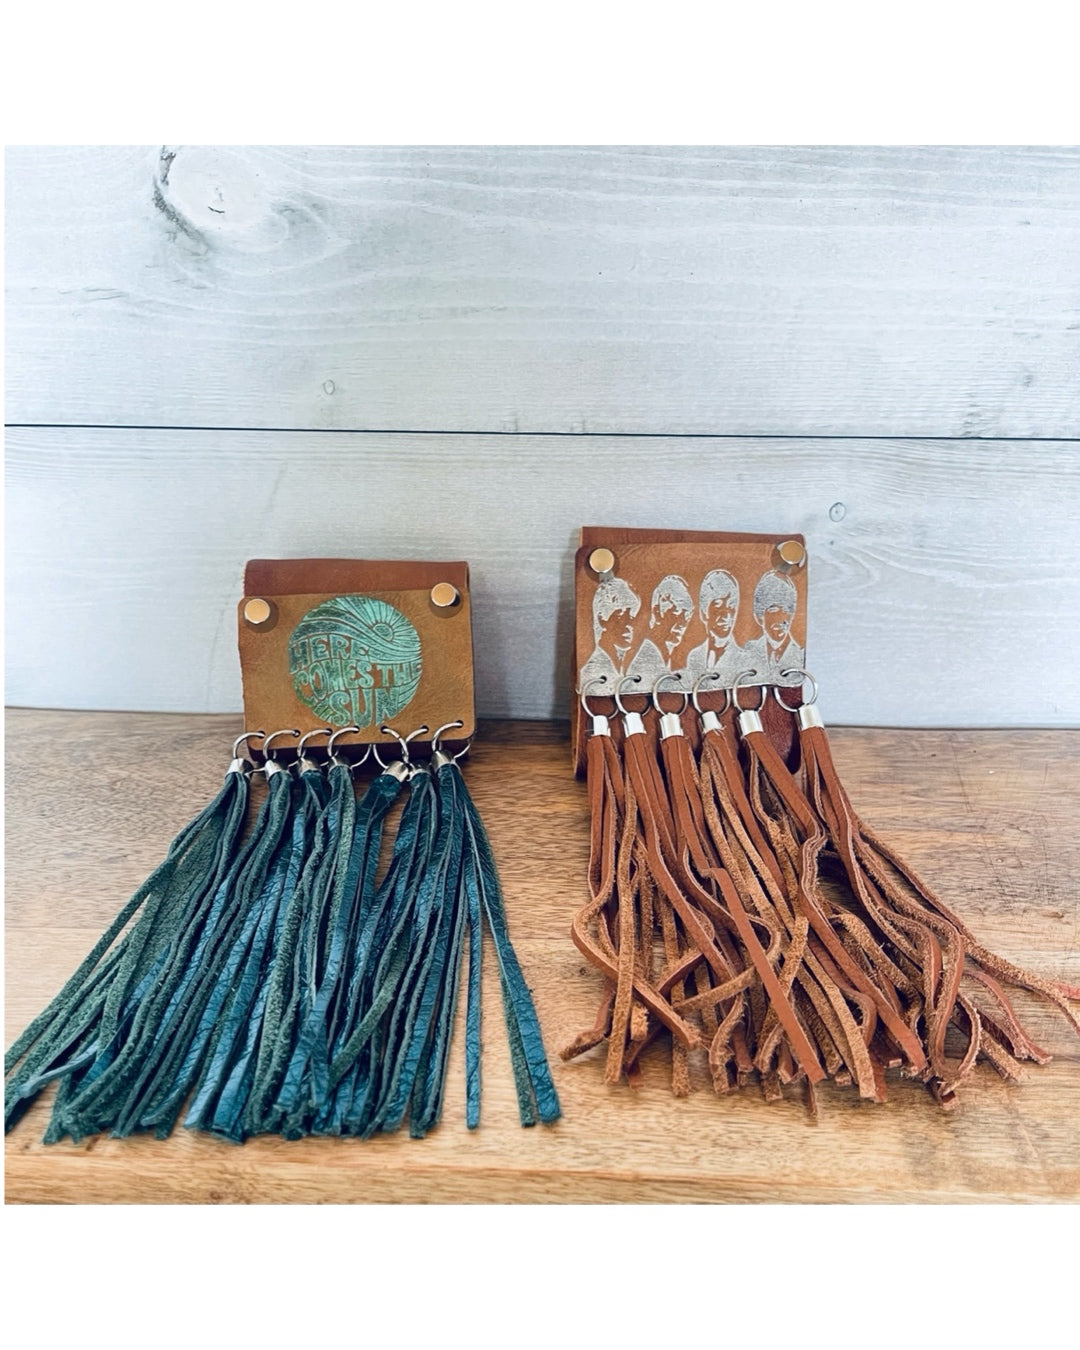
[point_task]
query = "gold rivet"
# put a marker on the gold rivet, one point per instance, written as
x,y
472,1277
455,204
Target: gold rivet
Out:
x,y
602,561
791,554
444,596
257,611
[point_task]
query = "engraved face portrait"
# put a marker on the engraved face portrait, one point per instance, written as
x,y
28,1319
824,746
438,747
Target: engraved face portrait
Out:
x,y
774,652
718,609
672,610
719,606
774,606
615,606
355,661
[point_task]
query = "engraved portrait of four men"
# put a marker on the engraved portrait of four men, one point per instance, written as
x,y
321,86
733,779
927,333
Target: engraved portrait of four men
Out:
x,y
652,648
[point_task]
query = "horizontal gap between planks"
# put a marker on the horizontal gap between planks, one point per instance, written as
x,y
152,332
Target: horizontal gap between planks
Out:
x,y
578,435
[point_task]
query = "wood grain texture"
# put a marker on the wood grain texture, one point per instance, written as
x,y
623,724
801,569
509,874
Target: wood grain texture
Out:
x,y
792,290
944,576
989,817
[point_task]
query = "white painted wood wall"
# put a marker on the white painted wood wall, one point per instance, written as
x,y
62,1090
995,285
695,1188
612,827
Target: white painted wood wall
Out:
x,y
220,353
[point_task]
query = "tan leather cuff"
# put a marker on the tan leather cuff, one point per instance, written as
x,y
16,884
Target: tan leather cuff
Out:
x,y
339,642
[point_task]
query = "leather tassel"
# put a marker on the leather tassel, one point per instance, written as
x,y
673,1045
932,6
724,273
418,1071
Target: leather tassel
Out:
x,y
419,1080
765,870
872,1015
440,886
144,1084
537,1098
360,1066
371,815
742,849
954,982
335,897
615,835
282,1010
693,926
701,856
614,931
100,1007
590,930
221,1099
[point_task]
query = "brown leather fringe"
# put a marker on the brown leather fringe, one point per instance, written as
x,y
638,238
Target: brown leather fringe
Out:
x,y
745,910
595,928
942,959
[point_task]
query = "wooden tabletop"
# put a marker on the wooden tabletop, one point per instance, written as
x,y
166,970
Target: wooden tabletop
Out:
x,y
989,817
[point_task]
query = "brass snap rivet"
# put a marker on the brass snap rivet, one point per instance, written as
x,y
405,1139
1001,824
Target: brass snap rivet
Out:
x,y
602,562
260,613
791,554
444,596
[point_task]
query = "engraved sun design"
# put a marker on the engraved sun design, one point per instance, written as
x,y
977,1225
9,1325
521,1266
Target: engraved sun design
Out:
x,y
355,661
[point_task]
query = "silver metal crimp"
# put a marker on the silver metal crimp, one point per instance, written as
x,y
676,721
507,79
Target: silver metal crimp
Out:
x,y
670,725
633,725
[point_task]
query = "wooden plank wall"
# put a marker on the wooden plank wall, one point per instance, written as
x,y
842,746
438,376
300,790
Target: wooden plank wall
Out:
x,y
217,353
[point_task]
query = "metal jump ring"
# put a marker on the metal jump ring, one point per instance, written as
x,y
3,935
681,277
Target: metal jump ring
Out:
x,y
449,726
657,689
289,731
797,670
710,675
403,741
735,692
342,731
584,699
264,750
247,736
435,741
618,690
319,731
335,757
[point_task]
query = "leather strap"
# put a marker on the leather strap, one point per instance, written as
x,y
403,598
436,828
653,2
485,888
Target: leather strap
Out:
x,y
690,810
589,931
810,897
717,747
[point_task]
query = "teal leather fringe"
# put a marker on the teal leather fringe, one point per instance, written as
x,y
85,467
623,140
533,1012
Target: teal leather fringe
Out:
x,y
223,1089
385,943
89,1020
288,980
268,981
144,1084
339,896
537,1098
418,1034
441,884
